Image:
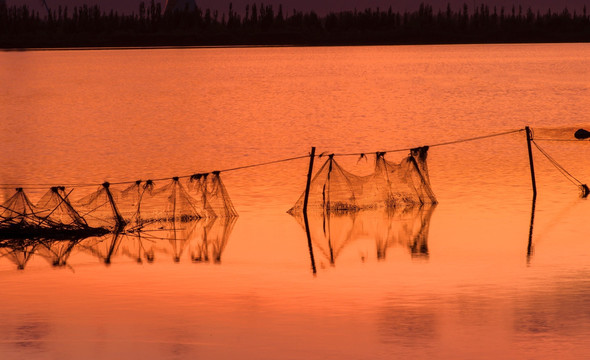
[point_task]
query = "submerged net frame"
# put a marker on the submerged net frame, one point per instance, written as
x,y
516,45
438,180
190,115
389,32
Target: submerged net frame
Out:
x,y
53,216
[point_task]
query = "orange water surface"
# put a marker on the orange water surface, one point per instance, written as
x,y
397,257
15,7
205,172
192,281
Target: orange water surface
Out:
x,y
462,280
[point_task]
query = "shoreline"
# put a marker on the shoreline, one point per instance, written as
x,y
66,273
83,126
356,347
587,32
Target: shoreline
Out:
x,y
253,46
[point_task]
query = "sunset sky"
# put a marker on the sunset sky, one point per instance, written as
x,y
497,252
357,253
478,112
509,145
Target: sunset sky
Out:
x,y
323,6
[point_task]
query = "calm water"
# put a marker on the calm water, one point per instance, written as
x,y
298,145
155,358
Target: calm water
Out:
x,y
452,282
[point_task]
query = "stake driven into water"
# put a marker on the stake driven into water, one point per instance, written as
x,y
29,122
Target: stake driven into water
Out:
x,y
531,164
305,201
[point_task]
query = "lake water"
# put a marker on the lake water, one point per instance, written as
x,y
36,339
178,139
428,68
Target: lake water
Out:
x,y
459,281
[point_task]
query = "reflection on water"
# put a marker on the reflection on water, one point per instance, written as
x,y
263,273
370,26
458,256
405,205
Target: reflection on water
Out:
x,y
408,325
18,251
370,232
30,333
530,248
55,251
203,240
562,307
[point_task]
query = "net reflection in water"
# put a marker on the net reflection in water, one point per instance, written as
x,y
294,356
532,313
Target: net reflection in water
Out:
x,y
201,240
335,233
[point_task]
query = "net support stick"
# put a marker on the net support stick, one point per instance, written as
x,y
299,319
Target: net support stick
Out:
x,y
305,199
116,214
309,173
531,164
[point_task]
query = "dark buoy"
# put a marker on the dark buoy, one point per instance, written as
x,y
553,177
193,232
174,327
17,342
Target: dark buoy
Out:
x,y
582,134
585,191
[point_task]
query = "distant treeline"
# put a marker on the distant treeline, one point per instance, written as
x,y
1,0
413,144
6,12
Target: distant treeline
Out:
x,y
260,24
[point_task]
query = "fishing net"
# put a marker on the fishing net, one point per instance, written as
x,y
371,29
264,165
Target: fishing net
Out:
x,y
557,144
52,216
100,209
174,217
351,234
142,203
18,211
215,200
391,185
117,208
56,210
168,203
564,133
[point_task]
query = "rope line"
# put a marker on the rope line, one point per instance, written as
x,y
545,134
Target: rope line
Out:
x,y
43,186
560,168
438,144
265,163
577,140
82,185
478,137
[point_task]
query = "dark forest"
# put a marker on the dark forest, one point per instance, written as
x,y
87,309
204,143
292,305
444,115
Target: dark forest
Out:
x,y
260,24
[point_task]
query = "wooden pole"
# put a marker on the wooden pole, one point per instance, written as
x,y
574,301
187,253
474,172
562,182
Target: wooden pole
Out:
x,y
305,201
309,174
531,164
118,218
529,250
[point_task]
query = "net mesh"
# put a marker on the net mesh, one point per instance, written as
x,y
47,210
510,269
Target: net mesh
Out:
x,y
56,210
556,145
563,133
117,208
391,185
18,210
52,216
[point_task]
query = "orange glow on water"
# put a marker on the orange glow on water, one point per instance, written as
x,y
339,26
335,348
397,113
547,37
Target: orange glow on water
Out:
x,y
466,289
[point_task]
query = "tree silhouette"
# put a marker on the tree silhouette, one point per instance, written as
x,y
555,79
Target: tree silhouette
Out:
x,y
260,24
